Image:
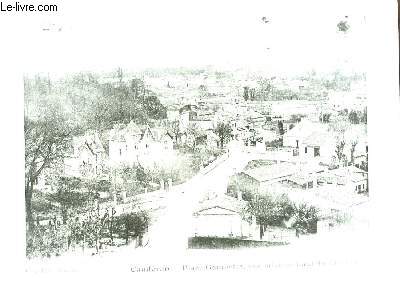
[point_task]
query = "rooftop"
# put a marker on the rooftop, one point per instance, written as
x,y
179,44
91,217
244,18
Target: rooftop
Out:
x,y
222,201
270,172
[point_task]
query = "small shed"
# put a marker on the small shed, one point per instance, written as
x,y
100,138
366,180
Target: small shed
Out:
x,y
222,217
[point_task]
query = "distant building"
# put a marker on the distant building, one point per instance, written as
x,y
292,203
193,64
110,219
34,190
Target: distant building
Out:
x,y
191,115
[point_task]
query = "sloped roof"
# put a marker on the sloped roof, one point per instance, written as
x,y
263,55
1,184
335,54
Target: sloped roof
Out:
x,y
132,132
270,172
160,133
353,173
133,128
344,174
188,107
147,131
223,202
89,140
300,178
306,128
316,138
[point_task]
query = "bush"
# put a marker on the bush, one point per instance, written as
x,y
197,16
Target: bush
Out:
x,y
132,225
46,241
271,211
306,218
274,144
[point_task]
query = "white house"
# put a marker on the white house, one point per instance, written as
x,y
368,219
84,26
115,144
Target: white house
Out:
x,y
222,216
88,158
349,179
316,141
130,145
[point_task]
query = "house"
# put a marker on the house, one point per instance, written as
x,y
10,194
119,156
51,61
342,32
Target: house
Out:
x,y
304,129
316,141
258,180
222,216
191,115
267,135
255,119
88,157
277,178
208,139
130,145
318,145
187,113
350,179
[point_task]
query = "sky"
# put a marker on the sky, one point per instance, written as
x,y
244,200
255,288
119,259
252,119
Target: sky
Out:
x,y
299,36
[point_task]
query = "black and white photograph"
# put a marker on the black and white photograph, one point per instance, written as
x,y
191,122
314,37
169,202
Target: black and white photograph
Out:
x,y
180,136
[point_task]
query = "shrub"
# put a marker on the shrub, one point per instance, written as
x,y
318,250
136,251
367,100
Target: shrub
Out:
x,y
306,218
132,225
46,241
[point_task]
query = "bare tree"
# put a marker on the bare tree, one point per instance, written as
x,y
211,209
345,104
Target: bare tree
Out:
x,y
193,132
339,151
352,150
224,132
175,130
46,140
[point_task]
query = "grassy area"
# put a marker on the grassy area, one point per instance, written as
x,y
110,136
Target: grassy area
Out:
x,y
228,243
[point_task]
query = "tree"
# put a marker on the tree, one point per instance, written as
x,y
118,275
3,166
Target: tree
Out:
x,y
154,108
46,140
343,26
270,211
306,217
132,225
265,88
325,117
246,93
142,176
69,195
193,132
174,129
280,127
339,151
224,131
95,221
352,150
203,91
120,75
364,116
353,117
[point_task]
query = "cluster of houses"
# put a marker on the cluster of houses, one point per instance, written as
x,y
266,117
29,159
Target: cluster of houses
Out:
x,y
323,164
94,155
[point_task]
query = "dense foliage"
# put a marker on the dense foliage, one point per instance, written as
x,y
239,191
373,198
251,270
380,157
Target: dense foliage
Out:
x,y
276,211
92,102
